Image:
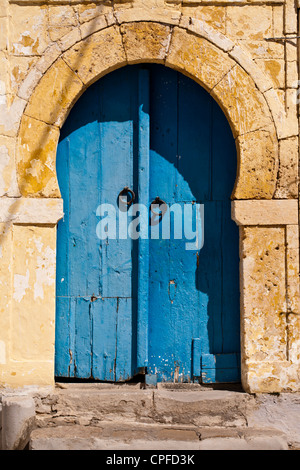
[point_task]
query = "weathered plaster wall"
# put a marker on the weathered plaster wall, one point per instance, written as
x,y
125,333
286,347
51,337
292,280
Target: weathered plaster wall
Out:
x,y
50,51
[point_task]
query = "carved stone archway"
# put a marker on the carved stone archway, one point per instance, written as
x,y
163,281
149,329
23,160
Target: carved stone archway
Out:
x,y
268,228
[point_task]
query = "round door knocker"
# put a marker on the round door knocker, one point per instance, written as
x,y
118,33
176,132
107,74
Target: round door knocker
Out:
x,y
162,209
126,197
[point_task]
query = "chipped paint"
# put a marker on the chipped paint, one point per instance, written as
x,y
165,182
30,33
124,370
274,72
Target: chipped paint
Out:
x,y
21,284
45,270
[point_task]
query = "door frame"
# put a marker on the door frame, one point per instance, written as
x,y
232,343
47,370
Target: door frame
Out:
x,y
256,122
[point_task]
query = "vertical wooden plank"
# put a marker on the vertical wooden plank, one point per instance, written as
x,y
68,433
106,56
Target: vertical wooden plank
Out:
x,y
118,147
163,150
83,183
62,323
125,362
223,156
104,313
100,132
163,163
118,113
194,146
83,338
196,357
224,167
62,252
143,192
72,333
230,282
209,279
63,358
92,195
82,243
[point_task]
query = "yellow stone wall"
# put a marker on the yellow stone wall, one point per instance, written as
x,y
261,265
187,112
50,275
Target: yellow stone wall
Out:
x,y
50,52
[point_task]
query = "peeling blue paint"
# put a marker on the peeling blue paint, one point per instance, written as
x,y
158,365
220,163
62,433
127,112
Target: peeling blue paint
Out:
x,y
131,304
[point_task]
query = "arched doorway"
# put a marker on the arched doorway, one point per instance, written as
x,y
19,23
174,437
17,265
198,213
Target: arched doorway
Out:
x,y
123,304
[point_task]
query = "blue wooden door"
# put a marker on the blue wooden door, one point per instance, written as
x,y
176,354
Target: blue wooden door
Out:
x,y
148,304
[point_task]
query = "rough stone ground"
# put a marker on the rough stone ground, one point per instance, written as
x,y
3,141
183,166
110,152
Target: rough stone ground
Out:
x,y
128,417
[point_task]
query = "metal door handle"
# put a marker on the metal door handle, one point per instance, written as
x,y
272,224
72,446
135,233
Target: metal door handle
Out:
x,y
158,202
124,194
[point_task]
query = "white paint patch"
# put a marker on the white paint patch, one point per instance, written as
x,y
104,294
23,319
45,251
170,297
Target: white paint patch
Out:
x,y
39,244
2,353
21,283
19,47
45,272
2,88
8,178
35,168
4,161
10,118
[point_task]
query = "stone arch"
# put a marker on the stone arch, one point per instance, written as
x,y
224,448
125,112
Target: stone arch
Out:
x,y
189,47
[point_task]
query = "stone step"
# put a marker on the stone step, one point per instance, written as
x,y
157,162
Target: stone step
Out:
x,y
94,404
120,435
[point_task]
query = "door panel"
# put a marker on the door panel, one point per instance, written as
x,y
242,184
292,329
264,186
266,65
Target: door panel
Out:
x,y
124,304
95,162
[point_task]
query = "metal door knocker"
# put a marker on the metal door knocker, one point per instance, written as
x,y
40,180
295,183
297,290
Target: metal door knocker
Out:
x,y
126,197
161,210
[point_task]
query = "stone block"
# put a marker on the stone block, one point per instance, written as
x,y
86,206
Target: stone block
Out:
x,y
97,55
210,15
292,75
90,11
269,377
93,26
274,71
198,57
290,17
8,176
33,302
264,49
286,122
145,42
28,85
158,14
20,67
18,420
28,33
263,302
62,15
261,79
256,178
287,183
38,211
55,94
247,111
10,115
69,39
50,55
202,29
278,17
246,22
36,156
265,212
